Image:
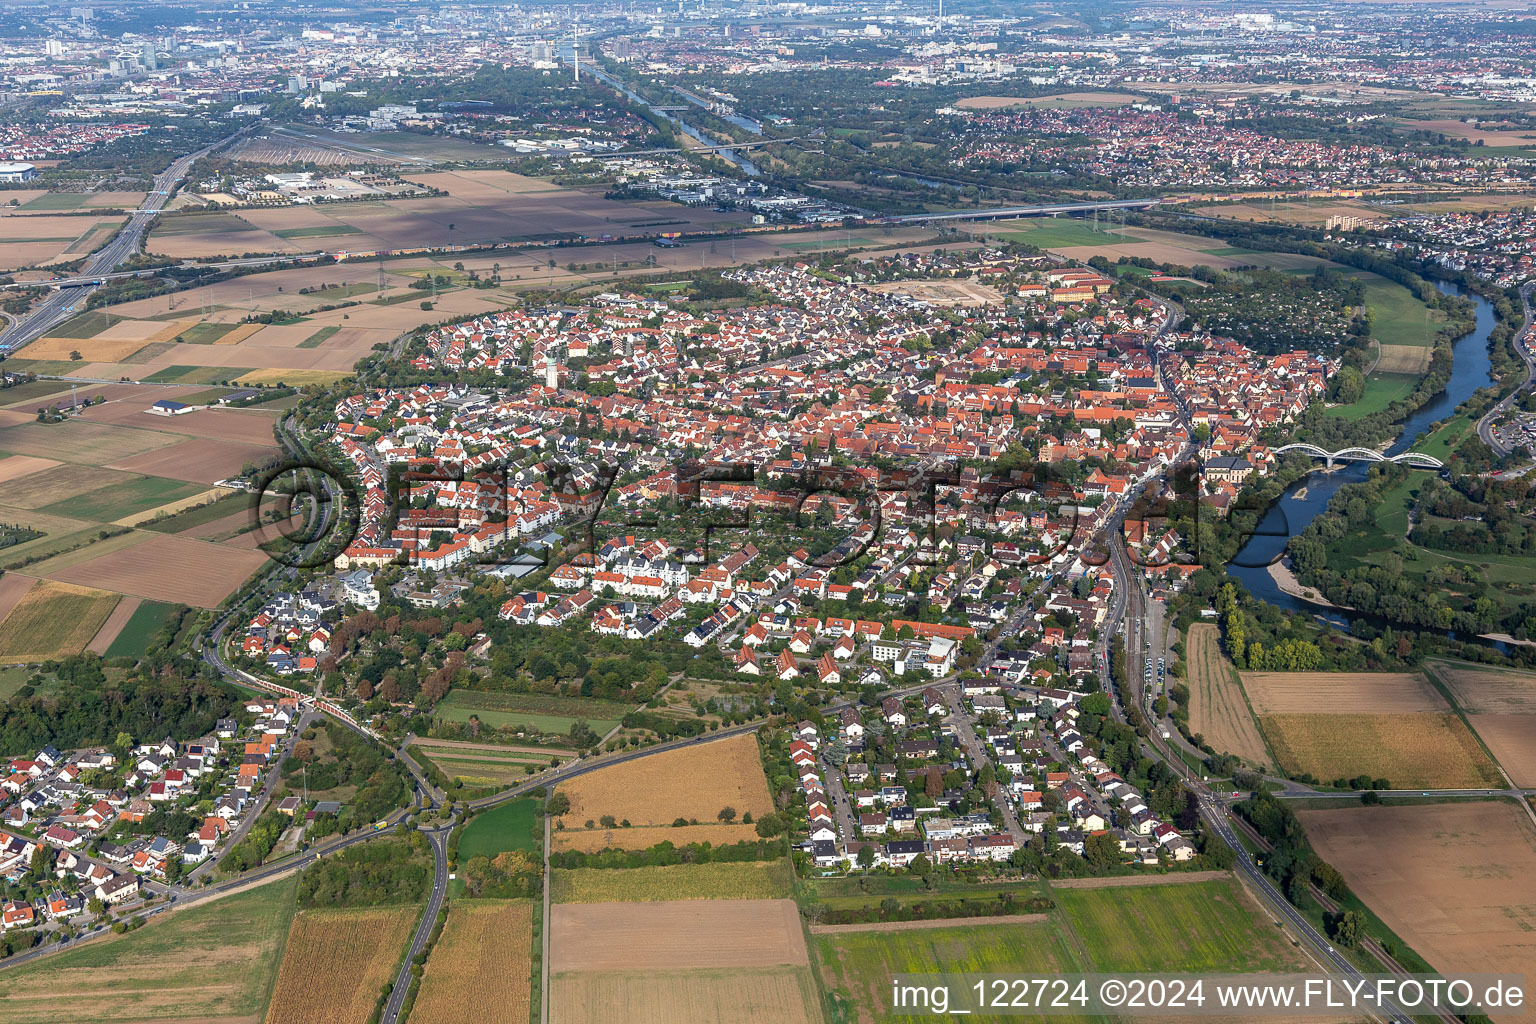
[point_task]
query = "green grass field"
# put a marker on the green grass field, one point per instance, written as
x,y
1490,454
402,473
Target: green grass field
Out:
x,y
317,231
108,504
86,325
13,679
29,393
544,712
1397,315
1451,435
205,334
510,826
1203,926
184,374
748,880
1061,232
146,619
201,515
1381,390
198,223
210,963
318,338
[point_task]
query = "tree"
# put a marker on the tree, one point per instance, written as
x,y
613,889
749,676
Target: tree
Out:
x,y
559,804
727,814
1346,928
1102,851
920,865
866,856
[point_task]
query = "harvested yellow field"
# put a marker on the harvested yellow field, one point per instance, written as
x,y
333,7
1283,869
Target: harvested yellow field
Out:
x,y
1501,707
1486,691
1453,879
1218,711
754,995
292,378
1410,751
53,620
105,350
335,963
1403,359
1340,693
675,935
596,840
691,782
480,968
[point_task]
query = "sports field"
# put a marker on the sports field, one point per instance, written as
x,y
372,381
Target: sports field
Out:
x,y
209,964
750,880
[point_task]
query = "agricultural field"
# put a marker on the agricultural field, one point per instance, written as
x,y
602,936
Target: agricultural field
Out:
x,y
1206,926
692,783
1218,709
146,620
596,840
209,964
173,569
1501,707
747,880
1403,359
1411,751
1412,865
480,968
1294,693
545,712
31,241
675,935
1313,213
335,962
53,620
1391,725
80,482
741,995
483,767
483,207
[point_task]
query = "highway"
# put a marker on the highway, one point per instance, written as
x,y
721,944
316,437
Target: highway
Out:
x,y
1522,342
62,304
1006,212
438,837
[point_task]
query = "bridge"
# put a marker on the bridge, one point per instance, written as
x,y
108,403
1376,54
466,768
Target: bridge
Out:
x,y
1417,460
1010,212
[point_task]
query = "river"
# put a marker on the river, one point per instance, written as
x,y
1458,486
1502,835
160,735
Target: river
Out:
x,y
1305,500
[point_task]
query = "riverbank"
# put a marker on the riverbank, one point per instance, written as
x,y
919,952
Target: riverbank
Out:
x,y
1286,580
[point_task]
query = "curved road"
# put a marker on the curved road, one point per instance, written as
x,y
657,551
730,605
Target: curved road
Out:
x,y
1522,342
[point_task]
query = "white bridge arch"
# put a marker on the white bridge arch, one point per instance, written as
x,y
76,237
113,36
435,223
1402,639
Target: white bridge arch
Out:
x,y
1416,459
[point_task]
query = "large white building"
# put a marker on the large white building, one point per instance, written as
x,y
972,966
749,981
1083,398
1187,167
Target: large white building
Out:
x,y
12,170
